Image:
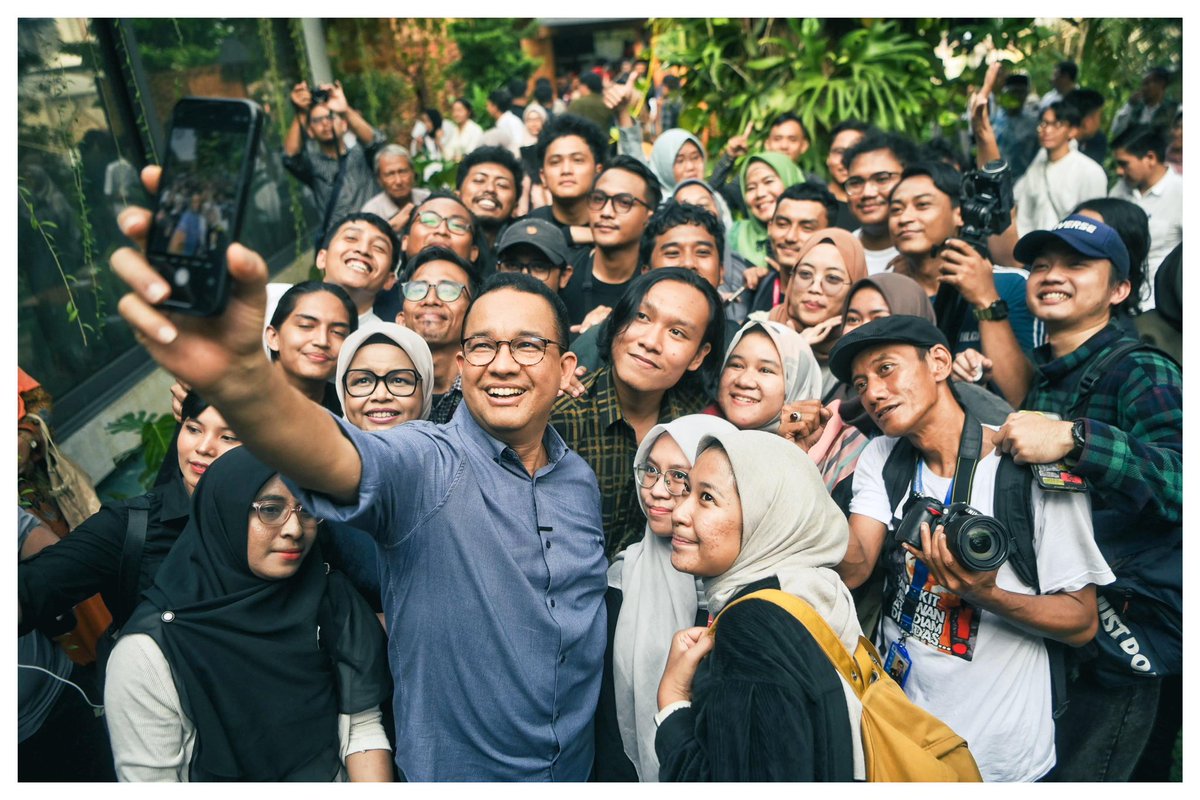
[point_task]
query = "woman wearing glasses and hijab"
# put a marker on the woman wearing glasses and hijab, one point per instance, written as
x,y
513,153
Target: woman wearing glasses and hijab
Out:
x,y
648,600
248,660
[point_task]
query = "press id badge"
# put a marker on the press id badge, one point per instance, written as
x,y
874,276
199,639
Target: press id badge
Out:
x,y
1057,478
897,662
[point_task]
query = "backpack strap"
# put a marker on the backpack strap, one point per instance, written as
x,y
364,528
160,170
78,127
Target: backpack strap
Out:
x,y
898,472
131,559
860,669
1012,505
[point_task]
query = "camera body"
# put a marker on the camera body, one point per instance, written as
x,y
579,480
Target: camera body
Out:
x,y
986,203
320,97
977,541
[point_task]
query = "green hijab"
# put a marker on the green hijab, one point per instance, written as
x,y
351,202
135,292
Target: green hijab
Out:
x,y
749,236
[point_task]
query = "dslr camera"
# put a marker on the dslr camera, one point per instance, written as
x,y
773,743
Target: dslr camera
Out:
x,y
319,96
977,541
986,203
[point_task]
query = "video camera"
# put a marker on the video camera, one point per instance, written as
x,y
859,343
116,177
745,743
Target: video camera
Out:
x,y
986,204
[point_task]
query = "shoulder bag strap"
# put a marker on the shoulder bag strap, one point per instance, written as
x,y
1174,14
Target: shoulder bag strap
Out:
x,y
131,559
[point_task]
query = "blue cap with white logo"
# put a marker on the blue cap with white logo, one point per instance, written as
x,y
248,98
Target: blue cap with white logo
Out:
x,y
1082,234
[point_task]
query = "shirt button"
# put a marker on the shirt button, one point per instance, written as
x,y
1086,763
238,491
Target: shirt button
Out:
x,y
552,602
547,544
168,616
562,659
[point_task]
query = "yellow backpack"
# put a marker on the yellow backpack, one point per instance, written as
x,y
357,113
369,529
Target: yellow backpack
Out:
x,y
901,741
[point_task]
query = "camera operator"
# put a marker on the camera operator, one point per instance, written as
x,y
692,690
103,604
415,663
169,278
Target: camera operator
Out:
x,y
965,645
342,179
924,217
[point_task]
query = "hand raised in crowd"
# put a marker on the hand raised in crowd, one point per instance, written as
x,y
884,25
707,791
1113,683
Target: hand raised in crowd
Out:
x,y
1032,438
971,366
204,352
688,648
739,145
401,217
594,317
945,570
301,97
815,334
753,275
803,422
618,95
337,98
970,273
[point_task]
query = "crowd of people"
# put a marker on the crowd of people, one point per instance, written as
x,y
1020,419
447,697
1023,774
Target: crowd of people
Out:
x,y
469,506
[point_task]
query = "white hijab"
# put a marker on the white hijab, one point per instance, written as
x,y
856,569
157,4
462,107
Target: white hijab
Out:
x,y
801,372
657,601
406,340
791,529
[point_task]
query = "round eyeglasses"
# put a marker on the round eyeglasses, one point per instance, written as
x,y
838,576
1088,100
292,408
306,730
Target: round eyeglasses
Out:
x,y
398,382
274,513
456,224
856,186
675,480
526,350
447,291
831,282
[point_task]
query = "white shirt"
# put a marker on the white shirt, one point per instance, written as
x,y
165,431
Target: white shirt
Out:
x,y
514,131
1163,204
986,678
877,260
1049,191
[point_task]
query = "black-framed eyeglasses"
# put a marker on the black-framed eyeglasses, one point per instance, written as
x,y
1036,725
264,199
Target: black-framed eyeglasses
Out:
x,y
398,382
275,513
856,185
538,269
622,203
456,224
526,350
676,480
447,291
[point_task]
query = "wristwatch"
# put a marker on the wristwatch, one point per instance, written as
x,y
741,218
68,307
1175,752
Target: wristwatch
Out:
x,y
1079,437
993,313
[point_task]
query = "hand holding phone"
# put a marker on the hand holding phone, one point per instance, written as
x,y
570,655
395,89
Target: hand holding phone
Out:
x,y
202,196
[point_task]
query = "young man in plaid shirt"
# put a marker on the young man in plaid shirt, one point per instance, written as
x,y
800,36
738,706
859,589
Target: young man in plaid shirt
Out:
x,y
1125,437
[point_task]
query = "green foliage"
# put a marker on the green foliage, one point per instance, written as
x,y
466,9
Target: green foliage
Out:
x,y
743,71
490,52
184,44
45,229
155,433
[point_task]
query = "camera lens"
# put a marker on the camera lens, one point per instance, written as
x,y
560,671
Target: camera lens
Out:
x,y
977,541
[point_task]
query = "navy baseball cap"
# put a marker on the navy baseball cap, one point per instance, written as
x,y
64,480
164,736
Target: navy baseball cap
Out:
x,y
898,328
1082,234
543,235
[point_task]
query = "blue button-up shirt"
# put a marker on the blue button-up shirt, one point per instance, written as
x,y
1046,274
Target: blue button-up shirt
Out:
x,y
493,583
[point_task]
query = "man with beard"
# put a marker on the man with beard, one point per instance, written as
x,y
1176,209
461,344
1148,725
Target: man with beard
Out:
x,y
489,181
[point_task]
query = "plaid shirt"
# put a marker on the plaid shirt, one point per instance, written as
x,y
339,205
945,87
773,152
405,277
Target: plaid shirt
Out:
x,y
444,405
1133,421
593,426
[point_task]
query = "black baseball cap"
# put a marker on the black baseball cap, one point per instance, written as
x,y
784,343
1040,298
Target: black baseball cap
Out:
x,y
899,328
543,235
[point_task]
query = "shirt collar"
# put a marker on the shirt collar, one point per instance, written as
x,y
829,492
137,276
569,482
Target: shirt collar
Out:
x,y
176,504
1054,369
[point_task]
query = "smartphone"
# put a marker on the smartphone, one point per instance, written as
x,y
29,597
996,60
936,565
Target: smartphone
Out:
x,y
202,195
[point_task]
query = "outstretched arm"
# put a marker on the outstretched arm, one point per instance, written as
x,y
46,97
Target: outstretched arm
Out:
x,y
223,359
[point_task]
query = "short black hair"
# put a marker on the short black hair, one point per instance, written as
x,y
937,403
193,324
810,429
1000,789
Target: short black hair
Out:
x,y
1065,112
572,125
631,164
517,88
850,125
900,147
528,284
672,214
501,99
1068,68
373,220
671,82
631,300
789,116
1141,140
439,253
287,304
1017,79
193,405
543,91
1086,100
490,154
814,192
444,194
465,104
939,148
945,178
1132,225
1161,74
592,81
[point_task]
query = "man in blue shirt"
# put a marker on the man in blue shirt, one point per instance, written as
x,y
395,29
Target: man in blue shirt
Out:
x,y
489,527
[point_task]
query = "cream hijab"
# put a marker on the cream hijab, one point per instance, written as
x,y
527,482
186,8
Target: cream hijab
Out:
x,y
791,528
406,340
656,602
801,372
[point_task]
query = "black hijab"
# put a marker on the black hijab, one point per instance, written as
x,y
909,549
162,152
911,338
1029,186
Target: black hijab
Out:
x,y
243,650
